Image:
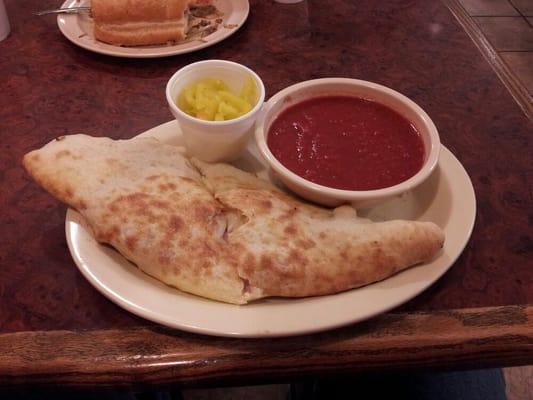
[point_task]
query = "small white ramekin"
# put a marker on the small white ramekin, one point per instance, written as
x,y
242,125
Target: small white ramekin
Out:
x,y
351,87
214,141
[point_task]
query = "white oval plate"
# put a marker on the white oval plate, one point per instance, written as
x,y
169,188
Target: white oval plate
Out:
x,y
447,199
78,29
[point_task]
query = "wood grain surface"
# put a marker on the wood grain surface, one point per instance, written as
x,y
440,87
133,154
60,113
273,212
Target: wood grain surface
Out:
x,y
468,338
55,326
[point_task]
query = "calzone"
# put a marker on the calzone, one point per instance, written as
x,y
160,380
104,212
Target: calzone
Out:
x,y
219,232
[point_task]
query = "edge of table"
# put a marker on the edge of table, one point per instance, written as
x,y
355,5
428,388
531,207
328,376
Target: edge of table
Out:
x,y
458,339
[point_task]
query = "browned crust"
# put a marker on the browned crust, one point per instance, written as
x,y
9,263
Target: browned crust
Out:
x,y
129,11
151,34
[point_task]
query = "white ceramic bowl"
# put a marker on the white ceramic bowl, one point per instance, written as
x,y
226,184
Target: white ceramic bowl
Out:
x,y
214,141
357,88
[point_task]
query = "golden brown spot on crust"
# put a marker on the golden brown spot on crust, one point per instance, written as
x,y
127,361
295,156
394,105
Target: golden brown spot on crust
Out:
x,y
292,268
205,251
344,255
115,230
326,282
381,261
163,259
138,203
108,236
175,224
235,253
290,229
82,205
201,212
322,235
152,177
35,157
207,270
59,138
306,244
131,242
160,204
165,187
249,259
296,258
290,213
63,153
265,263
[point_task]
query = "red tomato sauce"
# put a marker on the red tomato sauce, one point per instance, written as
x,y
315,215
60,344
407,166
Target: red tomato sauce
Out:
x,y
346,143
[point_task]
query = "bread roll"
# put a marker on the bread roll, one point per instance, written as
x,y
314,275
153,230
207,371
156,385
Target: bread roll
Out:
x,y
140,22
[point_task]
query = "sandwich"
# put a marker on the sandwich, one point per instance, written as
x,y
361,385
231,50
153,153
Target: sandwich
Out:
x,y
145,22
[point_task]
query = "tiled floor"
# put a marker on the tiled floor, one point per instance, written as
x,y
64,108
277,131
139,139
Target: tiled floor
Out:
x,y
524,6
519,383
487,8
522,64
508,26
507,34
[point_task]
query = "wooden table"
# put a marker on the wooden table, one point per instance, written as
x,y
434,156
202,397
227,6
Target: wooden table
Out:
x,y
56,328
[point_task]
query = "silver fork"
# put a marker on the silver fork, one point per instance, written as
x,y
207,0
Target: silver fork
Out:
x,y
70,10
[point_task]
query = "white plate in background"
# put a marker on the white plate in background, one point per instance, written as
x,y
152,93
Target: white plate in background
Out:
x,y
78,29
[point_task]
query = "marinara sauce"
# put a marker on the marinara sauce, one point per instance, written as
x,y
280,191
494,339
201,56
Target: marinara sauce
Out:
x,y
346,143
